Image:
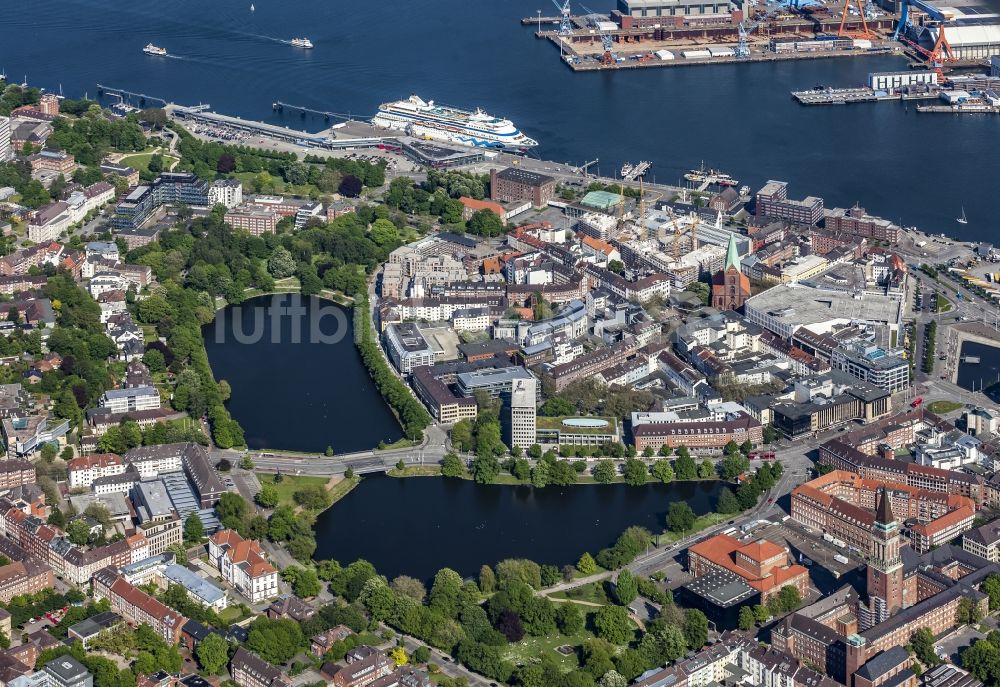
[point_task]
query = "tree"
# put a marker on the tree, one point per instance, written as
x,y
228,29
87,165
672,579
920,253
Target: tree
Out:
x,y
451,466
790,597
487,580
421,655
404,585
664,451
626,587
78,532
663,471
635,472
968,611
350,186
922,643
706,470
982,659
991,587
485,223
194,530
509,625
727,502
485,468
281,264
305,583
605,472
680,517
276,641
557,406
569,618
267,497
733,465
445,592
684,466
518,570
212,653
761,613
399,657
747,619
612,624
695,628
586,564
612,678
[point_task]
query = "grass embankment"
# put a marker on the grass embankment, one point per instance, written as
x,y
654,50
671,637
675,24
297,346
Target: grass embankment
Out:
x,y
140,161
942,407
336,487
591,593
416,471
400,443
702,522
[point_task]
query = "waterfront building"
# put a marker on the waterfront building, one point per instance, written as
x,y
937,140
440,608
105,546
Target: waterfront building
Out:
x,y
730,287
655,430
516,184
6,149
407,347
521,414
632,14
773,202
228,192
577,431
761,564
857,222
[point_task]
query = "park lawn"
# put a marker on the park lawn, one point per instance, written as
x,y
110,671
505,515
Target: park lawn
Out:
x,y
700,523
140,161
941,407
535,647
943,304
590,593
292,483
399,443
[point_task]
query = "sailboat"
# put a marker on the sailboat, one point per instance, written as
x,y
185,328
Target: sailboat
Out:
x,y
963,219
252,9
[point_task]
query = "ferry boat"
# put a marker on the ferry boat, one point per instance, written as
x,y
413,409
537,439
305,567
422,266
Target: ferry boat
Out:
x,y
301,42
154,50
425,119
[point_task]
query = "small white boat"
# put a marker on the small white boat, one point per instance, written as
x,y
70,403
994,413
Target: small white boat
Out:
x,y
151,49
963,219
252,8
301,42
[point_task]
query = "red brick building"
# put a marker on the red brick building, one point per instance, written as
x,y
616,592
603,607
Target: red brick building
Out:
x,y
763,565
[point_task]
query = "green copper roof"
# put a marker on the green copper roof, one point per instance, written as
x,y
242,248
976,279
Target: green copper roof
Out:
x,y
732,255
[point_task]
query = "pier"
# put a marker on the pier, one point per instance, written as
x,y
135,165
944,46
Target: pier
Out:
x,y
123,94
970,359
279,106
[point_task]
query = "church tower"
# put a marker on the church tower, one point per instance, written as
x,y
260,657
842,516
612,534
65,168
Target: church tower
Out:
x,y
730,287
885,567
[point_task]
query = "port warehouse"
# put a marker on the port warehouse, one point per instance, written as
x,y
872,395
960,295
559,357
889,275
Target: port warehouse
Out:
x,y
972,30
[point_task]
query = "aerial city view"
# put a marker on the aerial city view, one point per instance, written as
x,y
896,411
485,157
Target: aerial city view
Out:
x,y
521,344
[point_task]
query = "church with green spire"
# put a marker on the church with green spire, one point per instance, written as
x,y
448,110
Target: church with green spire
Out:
x,y
730,287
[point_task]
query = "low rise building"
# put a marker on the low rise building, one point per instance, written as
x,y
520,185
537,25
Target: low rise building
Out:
x,y
136,606
243,565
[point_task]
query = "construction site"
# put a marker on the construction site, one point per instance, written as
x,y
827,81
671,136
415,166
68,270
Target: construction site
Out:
x,y
656,33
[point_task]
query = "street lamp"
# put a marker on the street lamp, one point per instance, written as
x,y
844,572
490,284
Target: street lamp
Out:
x,y
539,20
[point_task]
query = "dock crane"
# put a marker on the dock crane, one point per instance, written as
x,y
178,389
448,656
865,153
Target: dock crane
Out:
x,y
565,25
865,32
607,42
743,47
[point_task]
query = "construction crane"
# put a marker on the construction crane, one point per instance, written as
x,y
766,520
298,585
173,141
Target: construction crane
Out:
x,y
937,55
865,32
565,25
904,16
743,47
607,41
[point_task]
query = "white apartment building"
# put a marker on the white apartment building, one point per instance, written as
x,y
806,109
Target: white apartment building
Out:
x,y
243,565
228,192
128,400
84,470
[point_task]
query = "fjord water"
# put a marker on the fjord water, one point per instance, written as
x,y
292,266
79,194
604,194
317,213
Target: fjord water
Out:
x,y
908,167
292,388
419,525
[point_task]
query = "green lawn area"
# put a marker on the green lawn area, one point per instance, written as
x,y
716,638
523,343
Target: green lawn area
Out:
x,y
943,304
700,523
141,161
533,647
941,407
416,471
591,593
231,614
290,484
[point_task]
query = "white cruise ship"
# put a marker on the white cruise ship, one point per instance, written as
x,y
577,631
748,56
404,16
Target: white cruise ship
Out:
x,y
426,120
154,50
301,42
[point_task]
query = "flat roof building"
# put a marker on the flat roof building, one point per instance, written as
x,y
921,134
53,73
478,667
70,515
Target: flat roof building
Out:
x,y
407,347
